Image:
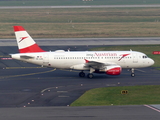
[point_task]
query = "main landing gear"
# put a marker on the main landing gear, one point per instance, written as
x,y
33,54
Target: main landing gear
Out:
x,y
82,74
89,75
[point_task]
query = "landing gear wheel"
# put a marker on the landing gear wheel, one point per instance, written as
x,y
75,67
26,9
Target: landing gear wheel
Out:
x,y
81,74
132,74
90,75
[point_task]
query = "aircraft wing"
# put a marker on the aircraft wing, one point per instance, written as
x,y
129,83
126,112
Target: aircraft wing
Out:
x,y
98,64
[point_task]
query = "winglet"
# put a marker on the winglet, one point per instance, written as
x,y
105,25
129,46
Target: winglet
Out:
x,y
25,42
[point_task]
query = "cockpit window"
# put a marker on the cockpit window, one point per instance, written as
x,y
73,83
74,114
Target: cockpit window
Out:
x,y
145,56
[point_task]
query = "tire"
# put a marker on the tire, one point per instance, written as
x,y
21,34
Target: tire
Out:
x,y
132,74
81,74
90,75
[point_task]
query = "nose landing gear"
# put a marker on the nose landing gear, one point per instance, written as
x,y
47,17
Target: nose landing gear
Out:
x,y
132,72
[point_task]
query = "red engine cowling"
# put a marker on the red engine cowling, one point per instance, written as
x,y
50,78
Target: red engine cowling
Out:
x,y
113,70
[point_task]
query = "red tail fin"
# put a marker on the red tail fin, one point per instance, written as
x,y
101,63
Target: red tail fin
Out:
x,y
25,42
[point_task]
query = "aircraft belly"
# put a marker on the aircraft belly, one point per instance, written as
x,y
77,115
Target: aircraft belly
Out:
x,y
62,64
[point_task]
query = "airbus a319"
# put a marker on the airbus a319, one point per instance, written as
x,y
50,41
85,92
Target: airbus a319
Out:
x,y
107,62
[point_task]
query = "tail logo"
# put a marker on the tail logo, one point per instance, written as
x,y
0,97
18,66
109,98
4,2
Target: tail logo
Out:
x,y
22,38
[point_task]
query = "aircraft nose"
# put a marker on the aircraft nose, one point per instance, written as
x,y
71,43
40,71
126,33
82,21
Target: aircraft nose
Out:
x,y
151,62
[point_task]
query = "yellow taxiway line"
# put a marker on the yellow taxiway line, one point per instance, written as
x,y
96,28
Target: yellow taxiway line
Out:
x,y
28,74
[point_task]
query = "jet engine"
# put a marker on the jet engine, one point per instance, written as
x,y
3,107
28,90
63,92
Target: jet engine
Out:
x,y
110,70
113,70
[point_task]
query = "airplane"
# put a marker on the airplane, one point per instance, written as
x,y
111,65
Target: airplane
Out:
x,y
107,62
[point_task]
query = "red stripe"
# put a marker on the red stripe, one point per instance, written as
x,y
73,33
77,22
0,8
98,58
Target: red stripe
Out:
x,y
18,28
30,49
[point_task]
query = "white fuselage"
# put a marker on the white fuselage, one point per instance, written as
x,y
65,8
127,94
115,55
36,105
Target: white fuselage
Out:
x,y
76,60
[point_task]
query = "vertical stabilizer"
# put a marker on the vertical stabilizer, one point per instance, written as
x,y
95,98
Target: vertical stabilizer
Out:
x,y
25,42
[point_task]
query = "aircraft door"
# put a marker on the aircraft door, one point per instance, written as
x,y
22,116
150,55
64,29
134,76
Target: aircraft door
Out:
x,y
135,58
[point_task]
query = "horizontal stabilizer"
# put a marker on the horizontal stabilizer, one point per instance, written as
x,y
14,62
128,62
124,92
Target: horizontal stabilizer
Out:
x,y
26,57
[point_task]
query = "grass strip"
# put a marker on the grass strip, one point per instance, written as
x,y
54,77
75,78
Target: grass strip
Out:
x,y
137,95
79,23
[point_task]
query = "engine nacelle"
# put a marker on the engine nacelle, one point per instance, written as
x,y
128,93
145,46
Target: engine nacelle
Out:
x,y
113,70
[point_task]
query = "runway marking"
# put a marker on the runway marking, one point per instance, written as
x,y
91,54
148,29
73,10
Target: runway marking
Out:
x,y
28,74
48,89
152,108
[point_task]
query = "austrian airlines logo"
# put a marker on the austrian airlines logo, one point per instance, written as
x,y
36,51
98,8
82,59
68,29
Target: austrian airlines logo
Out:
x,y
123,55
22,38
